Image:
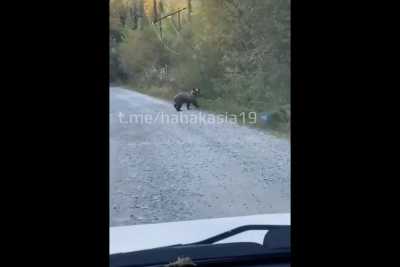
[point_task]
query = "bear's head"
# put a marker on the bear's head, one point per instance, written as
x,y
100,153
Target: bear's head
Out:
x,y
195,91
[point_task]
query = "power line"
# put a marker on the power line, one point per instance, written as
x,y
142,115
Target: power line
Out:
x,y
168,15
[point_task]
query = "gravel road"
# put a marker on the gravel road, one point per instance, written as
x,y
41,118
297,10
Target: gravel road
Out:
x,y
161,172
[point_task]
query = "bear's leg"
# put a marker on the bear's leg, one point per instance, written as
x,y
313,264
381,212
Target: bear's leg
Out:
x,y
188,106
177,107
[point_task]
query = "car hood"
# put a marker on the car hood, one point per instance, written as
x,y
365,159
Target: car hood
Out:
x,y
147,236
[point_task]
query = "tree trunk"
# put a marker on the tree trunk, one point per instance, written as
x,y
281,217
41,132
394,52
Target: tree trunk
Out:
x,y
141,15
155,11
189,6
135,16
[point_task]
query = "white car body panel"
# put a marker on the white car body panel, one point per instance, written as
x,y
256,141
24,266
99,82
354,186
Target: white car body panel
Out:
x,y
147,236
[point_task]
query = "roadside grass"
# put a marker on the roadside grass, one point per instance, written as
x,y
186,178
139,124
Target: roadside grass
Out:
x,y
218,106
166,93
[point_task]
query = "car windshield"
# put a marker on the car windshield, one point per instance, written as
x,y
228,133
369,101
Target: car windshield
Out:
x,y
199,110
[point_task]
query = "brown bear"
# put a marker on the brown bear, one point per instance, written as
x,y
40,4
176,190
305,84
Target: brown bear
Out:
x,y
186,98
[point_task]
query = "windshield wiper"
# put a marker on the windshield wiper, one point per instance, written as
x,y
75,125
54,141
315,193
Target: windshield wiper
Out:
x,y
275,249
